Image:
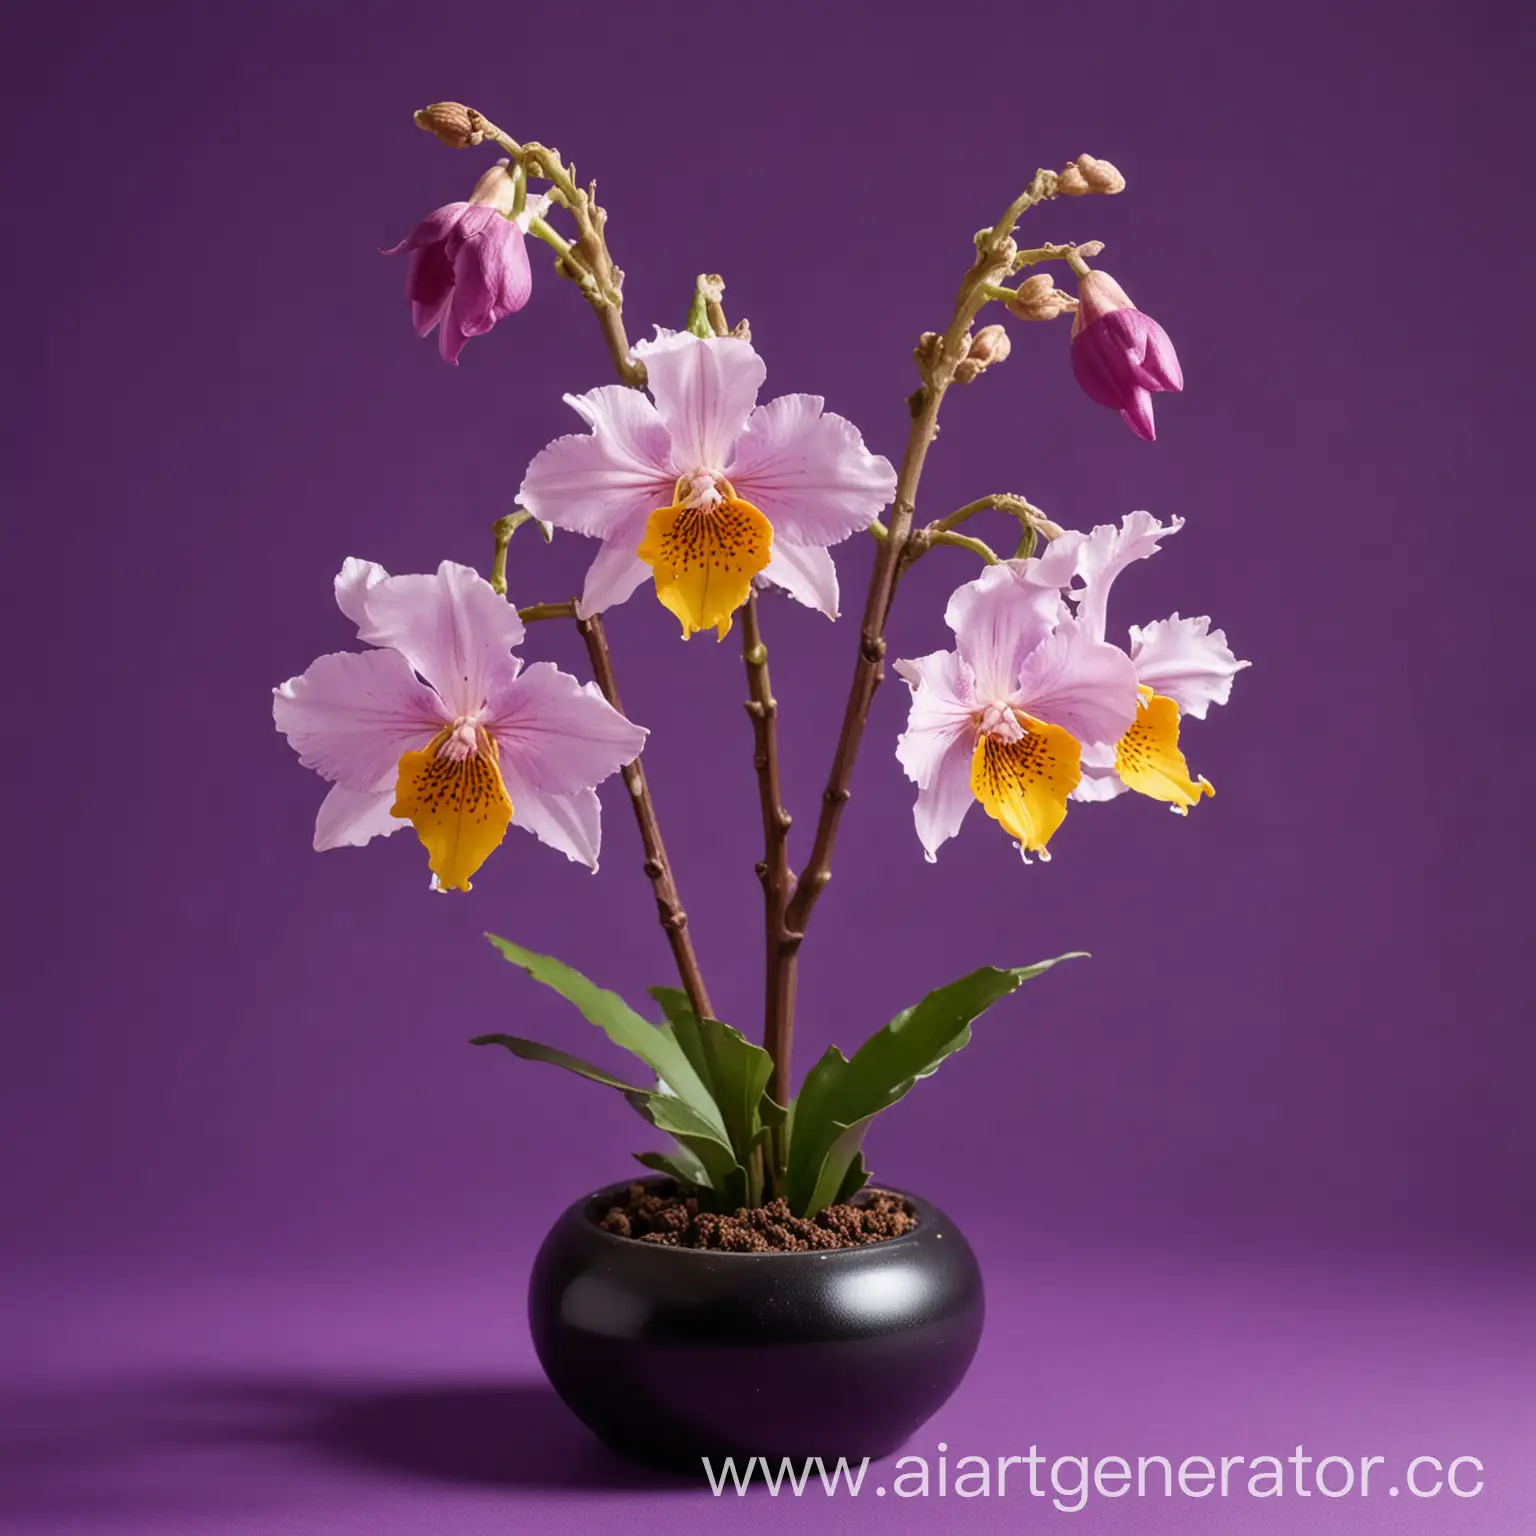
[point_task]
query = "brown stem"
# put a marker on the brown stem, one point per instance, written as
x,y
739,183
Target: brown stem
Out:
x,y
774,872
669,906
995,252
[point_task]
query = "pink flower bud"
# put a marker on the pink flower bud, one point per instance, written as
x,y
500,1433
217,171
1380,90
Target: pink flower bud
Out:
x,y
468,265
1120,356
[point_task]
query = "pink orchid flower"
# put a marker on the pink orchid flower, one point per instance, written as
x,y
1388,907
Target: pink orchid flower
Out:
x,y
1003,718
1183,666
704,490
444,728
468,263
1121,357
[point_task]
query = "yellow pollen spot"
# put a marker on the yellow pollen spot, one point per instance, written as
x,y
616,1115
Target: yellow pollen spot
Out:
x,y
705,559
1023,785
1148,758
458,805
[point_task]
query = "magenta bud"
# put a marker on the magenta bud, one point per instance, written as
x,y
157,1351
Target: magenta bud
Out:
x,y
1120,356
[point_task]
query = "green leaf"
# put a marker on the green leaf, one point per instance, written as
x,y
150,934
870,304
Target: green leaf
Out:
x,y
705,1143
532,1050
679,1164
659,1049
734,1070
840,1096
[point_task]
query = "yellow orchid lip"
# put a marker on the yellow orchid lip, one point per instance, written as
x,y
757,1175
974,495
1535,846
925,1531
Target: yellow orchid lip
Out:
x,y
705,549
1149,760
1023,782
452,792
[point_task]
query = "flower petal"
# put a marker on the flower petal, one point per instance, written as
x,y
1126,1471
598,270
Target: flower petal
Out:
x,y
353,713
998,619
597,482
1101,779
807,573
705,388
1186,660
557,735
1080,684
354,581
1104,553
935,749
349,818
571,824
454,628
432,230
1023,785
1149,760
809,472
616,570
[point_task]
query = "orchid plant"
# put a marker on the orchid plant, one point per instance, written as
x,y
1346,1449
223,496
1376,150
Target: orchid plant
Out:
x,y
691,485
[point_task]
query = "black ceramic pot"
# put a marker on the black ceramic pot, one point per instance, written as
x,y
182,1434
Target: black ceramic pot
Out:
x,y
671,1354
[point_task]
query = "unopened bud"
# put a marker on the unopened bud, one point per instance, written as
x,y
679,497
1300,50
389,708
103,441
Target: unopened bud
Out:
x,y
452,122
1072,183
990,345
1039,298
1100,175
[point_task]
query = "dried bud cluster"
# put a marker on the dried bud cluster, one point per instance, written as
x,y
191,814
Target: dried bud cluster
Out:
x,y
988,346
1086,175
452,122
1040,299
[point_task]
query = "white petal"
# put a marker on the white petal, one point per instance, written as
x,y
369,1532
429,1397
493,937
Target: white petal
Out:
x,y
998,619
454,628
1080,684
806,573
616,571
596,482
353,714
705,388
559,735
1187,661
534,208
571,824
354,581
1104,553
349,818
809,473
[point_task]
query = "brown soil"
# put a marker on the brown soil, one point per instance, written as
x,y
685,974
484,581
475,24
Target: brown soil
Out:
x,y
659,1214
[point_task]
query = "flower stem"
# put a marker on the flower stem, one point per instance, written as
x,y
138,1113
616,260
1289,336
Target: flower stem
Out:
x,y
774,872
669,906
995,253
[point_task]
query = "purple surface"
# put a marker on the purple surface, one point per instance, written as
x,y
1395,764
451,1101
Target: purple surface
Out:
x,y
253,1168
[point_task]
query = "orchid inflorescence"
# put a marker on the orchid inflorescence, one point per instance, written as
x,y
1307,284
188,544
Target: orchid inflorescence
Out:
x,y
690,484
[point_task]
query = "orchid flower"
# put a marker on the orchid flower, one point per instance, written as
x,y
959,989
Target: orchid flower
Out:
x,y
441,726
1003,718
1182,665
705,489
469,264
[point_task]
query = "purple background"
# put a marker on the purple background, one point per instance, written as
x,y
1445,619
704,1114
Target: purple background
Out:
x,y
1301,1036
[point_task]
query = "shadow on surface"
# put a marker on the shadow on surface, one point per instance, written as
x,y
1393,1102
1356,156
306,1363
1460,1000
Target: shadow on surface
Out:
x,y
187,1445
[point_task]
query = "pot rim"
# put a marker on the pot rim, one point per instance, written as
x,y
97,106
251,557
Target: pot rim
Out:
x,y
930,1219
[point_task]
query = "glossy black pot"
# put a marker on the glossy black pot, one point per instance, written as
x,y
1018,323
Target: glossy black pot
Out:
x,y
670,1354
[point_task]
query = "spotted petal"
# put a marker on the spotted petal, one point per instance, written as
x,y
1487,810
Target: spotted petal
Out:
x,y
1186,661
596,483
705,388
809,472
